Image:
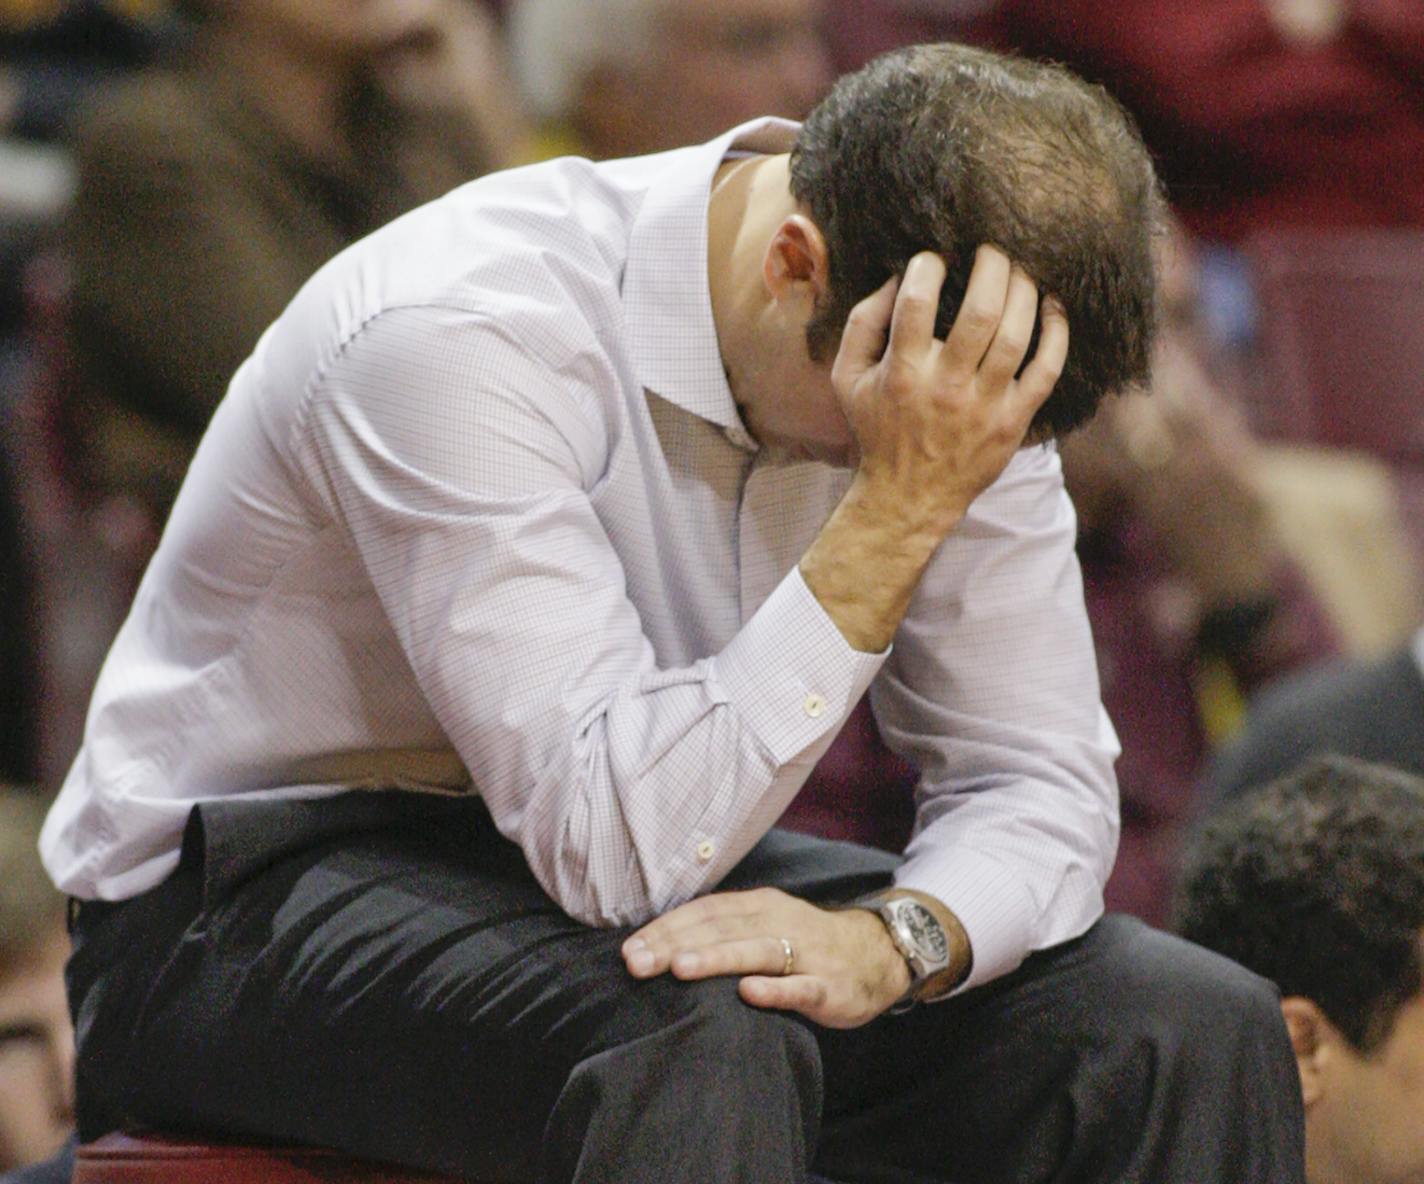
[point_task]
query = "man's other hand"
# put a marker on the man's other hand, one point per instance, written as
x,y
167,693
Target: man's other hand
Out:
x,y
845,970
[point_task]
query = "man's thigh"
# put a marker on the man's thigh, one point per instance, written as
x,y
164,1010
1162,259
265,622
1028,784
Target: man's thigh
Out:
x,y
404,991
1126,1055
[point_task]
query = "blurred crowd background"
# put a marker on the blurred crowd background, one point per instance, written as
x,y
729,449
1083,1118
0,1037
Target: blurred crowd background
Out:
x,y
172,170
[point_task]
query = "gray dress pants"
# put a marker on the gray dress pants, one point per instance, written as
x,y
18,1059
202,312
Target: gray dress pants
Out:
x,y
380,973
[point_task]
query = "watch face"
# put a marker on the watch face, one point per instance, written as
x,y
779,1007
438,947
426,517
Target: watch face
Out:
x,y
923,932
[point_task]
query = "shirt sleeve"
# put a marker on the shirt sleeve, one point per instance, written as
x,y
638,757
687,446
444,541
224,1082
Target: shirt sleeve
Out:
x,y
464,465
993,689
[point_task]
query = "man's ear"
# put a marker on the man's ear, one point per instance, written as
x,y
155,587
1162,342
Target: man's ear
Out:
x,y
1313,1038
796,263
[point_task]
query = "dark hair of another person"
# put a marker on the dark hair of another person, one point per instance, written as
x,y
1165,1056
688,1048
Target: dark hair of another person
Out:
x,y
1316,881
944,147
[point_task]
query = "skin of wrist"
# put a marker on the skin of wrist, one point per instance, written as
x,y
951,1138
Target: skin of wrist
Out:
x,y
890,974
893,972
865,564
913,516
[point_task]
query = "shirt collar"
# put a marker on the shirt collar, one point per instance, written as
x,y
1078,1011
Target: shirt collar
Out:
x,y
667,305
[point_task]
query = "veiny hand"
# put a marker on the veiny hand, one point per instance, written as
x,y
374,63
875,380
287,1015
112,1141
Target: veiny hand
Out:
x,y
937,421
847,971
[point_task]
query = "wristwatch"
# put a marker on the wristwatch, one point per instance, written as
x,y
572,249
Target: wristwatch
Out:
x,y
918,936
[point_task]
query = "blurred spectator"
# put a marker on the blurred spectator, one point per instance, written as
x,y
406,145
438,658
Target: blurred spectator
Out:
x,y
1373,710
1193,599
210,191
17,689
1317,883
612,78
53,54
1262,112
36,1039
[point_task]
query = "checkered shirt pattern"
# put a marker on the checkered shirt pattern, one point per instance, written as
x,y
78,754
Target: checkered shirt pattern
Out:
x,y
479,514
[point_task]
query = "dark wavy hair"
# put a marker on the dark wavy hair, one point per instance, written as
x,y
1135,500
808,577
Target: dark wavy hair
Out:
x,y
944,147
1316,881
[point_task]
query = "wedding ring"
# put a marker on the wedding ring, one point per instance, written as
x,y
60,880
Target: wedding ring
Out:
x,y
790,964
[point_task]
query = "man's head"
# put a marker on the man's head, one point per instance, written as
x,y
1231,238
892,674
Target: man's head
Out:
x,y
36,1041
944,147
1317,883
634,76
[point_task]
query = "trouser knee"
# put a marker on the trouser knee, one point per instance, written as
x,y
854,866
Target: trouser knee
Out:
x,y
705,1039
1184,996
695,1085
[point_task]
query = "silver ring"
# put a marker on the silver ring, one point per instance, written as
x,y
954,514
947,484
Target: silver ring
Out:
x,y
790,964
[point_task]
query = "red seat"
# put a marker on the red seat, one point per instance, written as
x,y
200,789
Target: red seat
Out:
x,y
154,1159
1342,334
1342,347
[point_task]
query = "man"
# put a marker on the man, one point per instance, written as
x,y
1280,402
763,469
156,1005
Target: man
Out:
x,y
1316,881
615,78
589,500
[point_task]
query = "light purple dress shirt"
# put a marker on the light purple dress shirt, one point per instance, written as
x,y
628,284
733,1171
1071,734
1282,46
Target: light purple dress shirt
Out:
x,y
480,515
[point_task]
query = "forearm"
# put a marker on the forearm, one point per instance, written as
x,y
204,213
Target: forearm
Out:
x,y
1017,819
868,560
1021,865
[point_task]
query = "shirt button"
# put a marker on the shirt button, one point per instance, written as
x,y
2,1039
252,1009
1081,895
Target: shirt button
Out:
x,y
705,851
814,706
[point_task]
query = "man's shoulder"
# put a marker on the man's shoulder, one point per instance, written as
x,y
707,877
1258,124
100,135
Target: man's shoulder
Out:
x,y
520,271
550,237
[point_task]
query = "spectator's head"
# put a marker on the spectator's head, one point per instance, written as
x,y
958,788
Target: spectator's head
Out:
x,y
1317,882
36,1041
632,76
944,147
322,29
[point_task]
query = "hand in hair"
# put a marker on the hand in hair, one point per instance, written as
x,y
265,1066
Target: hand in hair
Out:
x,y
935,423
